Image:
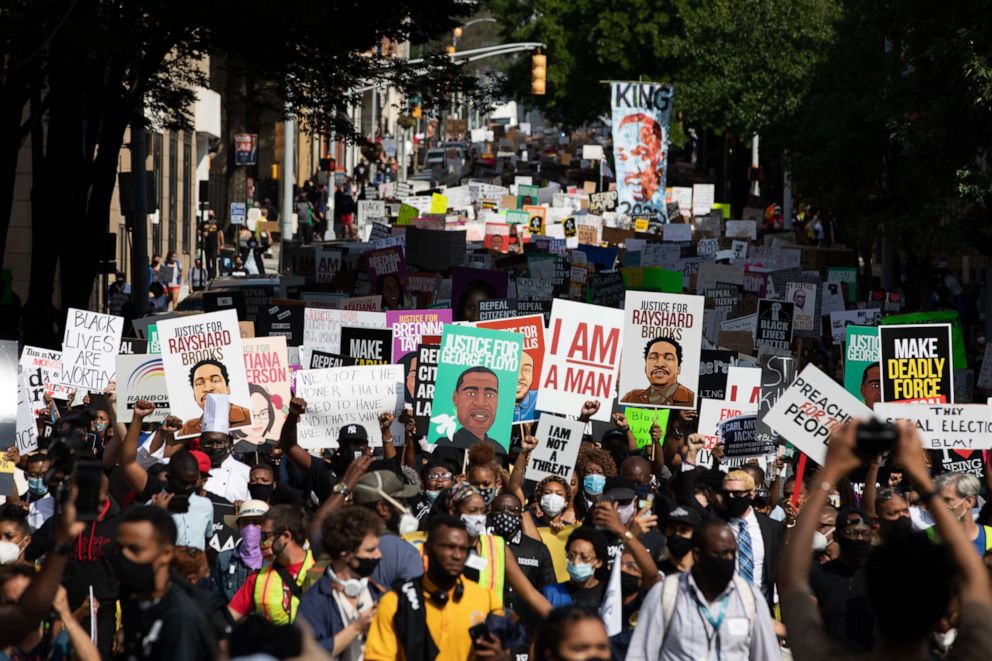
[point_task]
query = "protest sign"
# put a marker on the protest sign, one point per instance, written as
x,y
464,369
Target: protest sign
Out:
x,y
641,420
676,232
984,380
469,286
132,345
322,360
713,367
741,229
915,362
606,288
425,376
777,373
141,376
711,413
322,328
833,298
944,426
537,218
960,356
724,298
804,294
41,368
383,262
368,346
839,321
13,393
775,324
284,318
582,359
497,308
558,441
861,371
600,202
410,326
26,427
497,237
662,339
805,412
369,209
328,263
267,369
847,275
346,396
531,361
739,438
478,369
89,349
640,114
203,354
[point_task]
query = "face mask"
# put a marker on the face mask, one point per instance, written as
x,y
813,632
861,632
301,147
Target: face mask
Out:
x,y
552,505
954,511
718,570
9,552
135,577
365,566
506,525
820,541
432,495
629,584
737,506
901,525
855,550
101,427
217,457
642,490
488,494
678,545
261,491
475,524
579,572
626,513
248,550
37,486
593,484
408,524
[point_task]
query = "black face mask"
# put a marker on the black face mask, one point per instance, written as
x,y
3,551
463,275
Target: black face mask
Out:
x,y
678,545
717,571
135,577
855,551
901,525
737,506
629,584
505,525
365,566
261,491
642,490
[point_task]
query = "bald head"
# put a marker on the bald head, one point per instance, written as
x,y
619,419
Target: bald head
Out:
x,y
636,469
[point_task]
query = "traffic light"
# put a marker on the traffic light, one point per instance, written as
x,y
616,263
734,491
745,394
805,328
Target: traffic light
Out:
x,y
538,73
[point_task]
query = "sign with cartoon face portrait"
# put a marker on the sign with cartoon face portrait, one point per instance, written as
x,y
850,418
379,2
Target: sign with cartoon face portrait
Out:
x,y
641,113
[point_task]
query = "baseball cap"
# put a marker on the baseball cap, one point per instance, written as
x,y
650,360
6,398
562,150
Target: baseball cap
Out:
x,y
353,433
202,461
248,509
374,486
683,515
619,488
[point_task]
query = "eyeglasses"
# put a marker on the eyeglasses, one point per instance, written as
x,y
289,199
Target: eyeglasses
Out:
x,y
889,493
577,557
269,535
439,476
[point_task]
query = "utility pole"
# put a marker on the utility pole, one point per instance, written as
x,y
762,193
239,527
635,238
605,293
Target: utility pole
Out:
x,y
288,176
139,212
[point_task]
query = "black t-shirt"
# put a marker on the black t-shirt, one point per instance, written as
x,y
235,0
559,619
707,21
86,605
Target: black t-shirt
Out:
x,y
175,627
586,597
536,564
842,598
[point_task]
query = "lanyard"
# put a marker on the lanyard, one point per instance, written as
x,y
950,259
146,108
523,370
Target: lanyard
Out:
x,y
704,611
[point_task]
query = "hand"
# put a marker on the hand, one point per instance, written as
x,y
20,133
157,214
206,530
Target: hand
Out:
x,y
620,420
718,451
171,425
365,618
696,442
237,506
297,406
656,432
86,400
143,408
841,459
528,443
604,516
385,421
644,521
110,392
556,524
162,499
355,470
589,409
895,478
12,454
61,603
911,456
489,647
67,528
48,398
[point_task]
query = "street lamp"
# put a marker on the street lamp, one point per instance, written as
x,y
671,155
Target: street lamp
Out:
x,y
460,30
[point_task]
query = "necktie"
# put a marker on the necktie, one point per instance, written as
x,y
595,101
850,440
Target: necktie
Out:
x,y
745,558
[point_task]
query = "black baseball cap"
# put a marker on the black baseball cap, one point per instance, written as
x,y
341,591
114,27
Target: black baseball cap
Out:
x,y
352,433
683,515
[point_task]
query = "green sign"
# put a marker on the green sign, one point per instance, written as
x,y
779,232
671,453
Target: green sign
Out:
x,y
860,351
640,421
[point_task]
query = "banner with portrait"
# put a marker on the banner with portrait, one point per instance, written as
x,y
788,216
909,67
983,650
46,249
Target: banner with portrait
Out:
x,y
641,114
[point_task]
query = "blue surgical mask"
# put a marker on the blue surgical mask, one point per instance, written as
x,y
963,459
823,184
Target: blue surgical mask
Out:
x,y
579,572
594,484
37,486
432,495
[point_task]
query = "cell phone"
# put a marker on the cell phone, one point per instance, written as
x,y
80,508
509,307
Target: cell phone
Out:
x,y
480,630
88,474
875,437
646,502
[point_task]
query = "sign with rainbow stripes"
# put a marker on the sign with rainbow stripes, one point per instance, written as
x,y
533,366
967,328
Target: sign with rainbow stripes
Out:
x,y
141,376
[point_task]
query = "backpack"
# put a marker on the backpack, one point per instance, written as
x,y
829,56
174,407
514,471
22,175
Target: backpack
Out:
x,y
670,593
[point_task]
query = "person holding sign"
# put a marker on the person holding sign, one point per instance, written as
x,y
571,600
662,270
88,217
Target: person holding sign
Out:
x,y
207,377
662,364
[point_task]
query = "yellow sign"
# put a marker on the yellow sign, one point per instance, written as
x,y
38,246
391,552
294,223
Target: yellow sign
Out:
x,y
439,203
641,224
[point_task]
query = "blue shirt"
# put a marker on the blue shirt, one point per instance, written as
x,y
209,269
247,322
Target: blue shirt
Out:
x,y
526,410
193,526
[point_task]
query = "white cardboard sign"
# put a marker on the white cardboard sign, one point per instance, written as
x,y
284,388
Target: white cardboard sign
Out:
x,y
944,426
558,446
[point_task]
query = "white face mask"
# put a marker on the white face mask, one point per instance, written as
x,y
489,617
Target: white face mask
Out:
x,y
626,513
9,552
408,523
552,504
475,524
820,541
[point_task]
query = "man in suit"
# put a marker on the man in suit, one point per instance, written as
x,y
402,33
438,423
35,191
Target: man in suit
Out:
x,y
662,366
759,538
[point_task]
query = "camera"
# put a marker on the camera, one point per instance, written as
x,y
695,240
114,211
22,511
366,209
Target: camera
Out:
x,y
875,437
73,463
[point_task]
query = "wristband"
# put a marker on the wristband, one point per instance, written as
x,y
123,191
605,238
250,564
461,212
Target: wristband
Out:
x,y
826,487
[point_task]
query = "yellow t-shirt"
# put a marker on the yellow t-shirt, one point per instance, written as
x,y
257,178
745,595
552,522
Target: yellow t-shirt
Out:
x,y
448,626
556,547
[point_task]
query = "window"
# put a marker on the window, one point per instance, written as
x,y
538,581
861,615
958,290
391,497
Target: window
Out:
x,y
187,189
173,188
